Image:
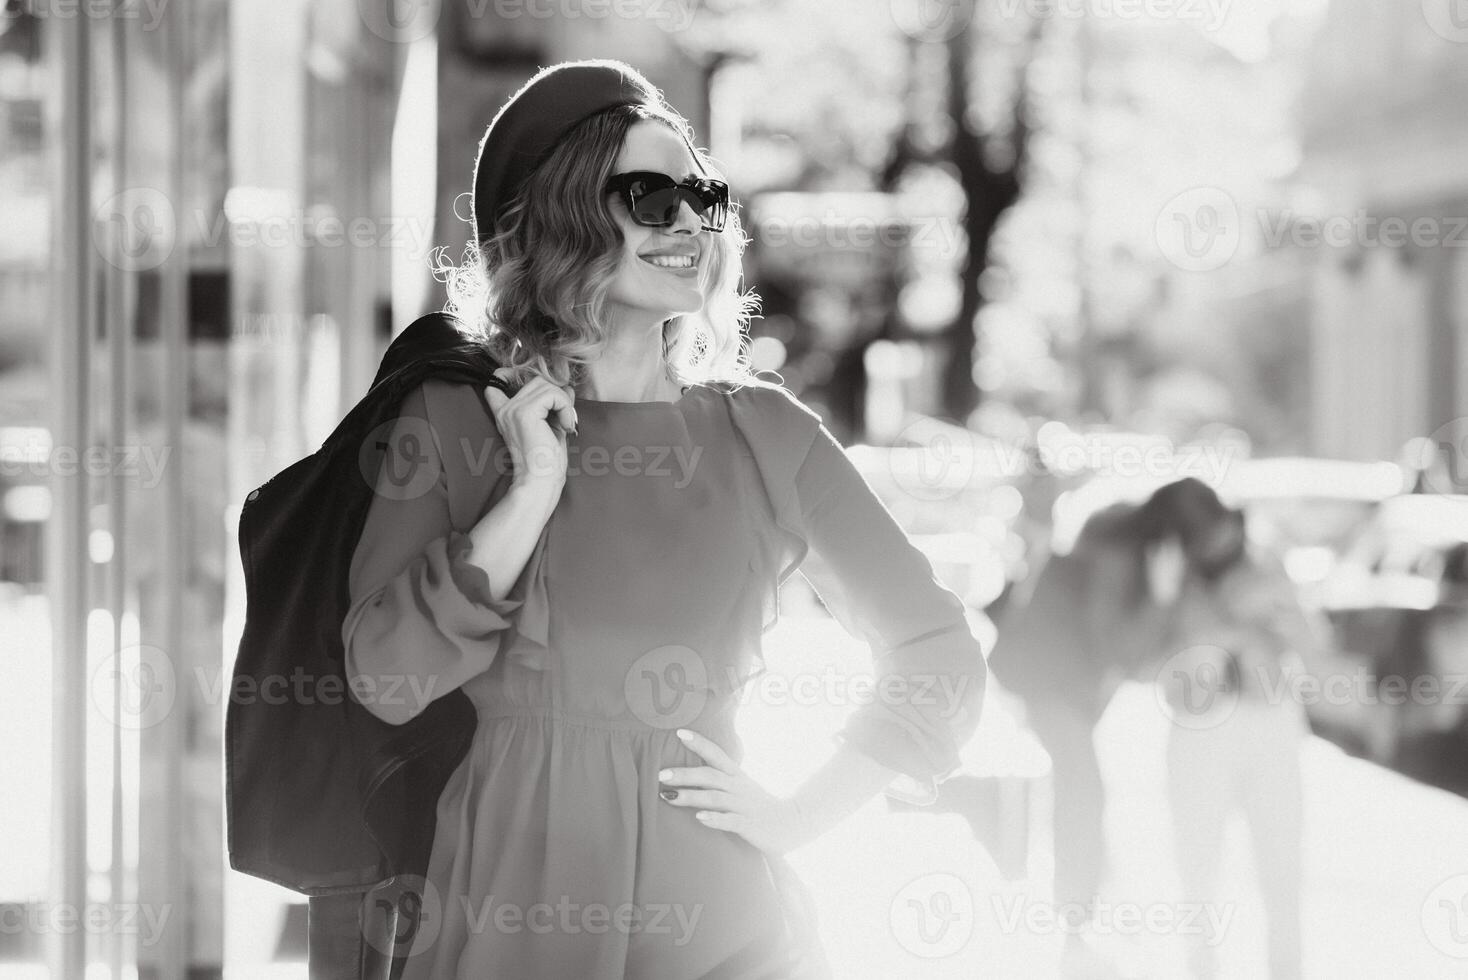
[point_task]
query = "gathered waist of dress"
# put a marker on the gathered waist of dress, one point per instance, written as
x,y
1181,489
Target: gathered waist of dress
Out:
x,y
715,725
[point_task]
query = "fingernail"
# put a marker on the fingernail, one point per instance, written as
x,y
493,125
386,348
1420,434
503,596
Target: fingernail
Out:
x,y
684,734
665,775
668,794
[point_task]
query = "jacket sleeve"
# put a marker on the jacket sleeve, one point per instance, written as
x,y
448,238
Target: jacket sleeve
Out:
x,y
930,672
1122,626
422,619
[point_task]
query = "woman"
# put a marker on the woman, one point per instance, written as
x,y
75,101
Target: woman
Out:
x,y
601,598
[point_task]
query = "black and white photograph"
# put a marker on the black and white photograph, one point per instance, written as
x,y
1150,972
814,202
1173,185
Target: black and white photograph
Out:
x,y
733,489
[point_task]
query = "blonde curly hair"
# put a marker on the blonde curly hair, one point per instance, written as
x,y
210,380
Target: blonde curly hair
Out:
x,y
536,292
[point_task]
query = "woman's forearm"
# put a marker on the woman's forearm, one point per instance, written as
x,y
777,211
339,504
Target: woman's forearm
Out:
x,y
506,535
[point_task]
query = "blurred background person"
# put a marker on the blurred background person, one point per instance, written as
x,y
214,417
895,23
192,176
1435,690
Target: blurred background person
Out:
x,y
1064,645
1239,634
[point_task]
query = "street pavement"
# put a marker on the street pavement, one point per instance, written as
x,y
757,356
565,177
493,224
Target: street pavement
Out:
x,y
913,894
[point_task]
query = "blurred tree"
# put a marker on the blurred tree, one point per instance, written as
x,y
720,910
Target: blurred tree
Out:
x,y
989,164
862,96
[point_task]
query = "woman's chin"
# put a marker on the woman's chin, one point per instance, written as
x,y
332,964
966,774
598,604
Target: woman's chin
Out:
x,y
685,306
665,307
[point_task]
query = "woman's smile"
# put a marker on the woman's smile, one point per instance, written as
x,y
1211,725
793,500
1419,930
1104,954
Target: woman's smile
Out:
x,y
678,261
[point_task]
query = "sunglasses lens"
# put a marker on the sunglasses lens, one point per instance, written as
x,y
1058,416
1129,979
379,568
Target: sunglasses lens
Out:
x,y
713,203
657,207
655,203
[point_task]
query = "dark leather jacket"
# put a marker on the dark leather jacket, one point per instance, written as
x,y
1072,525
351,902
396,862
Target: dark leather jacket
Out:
x,y
320,796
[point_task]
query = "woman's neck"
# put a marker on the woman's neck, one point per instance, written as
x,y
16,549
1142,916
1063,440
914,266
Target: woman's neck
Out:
x,y
631,369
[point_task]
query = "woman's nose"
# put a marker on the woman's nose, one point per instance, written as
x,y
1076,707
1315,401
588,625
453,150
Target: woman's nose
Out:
x,y
687,221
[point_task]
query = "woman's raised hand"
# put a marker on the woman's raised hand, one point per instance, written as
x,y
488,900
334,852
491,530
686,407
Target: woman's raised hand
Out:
x,y
534,423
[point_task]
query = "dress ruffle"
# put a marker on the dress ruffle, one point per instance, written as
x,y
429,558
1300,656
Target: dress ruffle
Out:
x,y
526,608
779,431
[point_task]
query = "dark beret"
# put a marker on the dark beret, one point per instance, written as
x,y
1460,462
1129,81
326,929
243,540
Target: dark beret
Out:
x,y
530,123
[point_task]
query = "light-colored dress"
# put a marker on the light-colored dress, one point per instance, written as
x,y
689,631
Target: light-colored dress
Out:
x,y
640,611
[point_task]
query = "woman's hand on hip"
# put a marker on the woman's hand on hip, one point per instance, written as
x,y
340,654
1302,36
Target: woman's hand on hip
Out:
x,y
726,798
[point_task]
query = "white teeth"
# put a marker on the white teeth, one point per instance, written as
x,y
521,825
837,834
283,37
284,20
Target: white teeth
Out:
x,y
670,261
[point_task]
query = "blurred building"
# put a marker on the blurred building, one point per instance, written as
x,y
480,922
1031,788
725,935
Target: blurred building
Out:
x,y
1385,125
1335,323
828,266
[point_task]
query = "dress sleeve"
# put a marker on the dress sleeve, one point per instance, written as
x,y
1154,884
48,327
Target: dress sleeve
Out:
x,y
422,619
930,669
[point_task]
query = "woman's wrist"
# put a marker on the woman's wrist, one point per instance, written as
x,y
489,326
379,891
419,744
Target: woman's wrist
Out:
x,y
533,498
505,536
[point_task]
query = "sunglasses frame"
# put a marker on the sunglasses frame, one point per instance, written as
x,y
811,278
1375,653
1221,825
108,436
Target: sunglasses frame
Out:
x,y
691,189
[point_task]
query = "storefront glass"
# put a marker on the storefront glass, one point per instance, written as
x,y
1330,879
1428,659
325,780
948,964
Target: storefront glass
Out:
x,y
196,266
